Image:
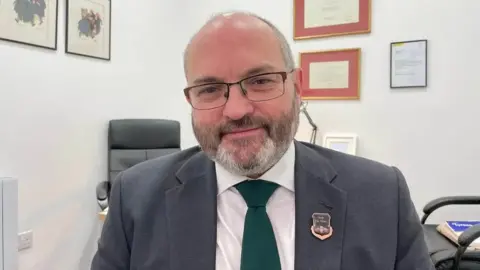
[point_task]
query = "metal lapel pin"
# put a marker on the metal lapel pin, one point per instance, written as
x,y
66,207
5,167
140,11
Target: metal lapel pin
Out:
x,y
321,227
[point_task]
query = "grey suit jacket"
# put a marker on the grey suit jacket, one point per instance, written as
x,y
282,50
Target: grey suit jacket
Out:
x,y
162,215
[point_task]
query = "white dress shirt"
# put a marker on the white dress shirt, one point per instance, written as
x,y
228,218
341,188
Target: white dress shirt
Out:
x,y
232,209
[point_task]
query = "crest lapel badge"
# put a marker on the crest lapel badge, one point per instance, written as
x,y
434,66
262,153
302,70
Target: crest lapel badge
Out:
x,y
321,226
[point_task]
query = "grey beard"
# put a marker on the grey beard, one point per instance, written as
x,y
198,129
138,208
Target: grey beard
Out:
x,y
274,147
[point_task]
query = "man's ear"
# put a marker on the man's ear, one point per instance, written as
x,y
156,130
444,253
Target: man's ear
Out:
x,y
298,79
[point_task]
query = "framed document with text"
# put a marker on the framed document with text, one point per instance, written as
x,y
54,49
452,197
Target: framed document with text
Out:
x,y
408,64
333,74
324,18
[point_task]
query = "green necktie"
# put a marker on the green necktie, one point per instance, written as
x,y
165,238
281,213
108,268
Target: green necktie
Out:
x,y
259,247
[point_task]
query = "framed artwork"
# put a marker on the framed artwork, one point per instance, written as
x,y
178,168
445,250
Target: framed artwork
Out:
x,y
333,74
29,22
342,142
88,28
326,18
408,64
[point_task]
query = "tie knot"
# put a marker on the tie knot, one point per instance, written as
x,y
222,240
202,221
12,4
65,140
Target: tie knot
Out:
x,y
256,192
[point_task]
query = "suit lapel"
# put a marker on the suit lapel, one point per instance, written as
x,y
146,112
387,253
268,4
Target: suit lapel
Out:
x,y
315,193
191,216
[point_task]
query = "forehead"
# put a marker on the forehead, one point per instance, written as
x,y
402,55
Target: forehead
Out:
x,y
229,48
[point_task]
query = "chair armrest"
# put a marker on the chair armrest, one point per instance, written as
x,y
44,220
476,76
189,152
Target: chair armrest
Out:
x,y
102,193
469,235
448,200
464,240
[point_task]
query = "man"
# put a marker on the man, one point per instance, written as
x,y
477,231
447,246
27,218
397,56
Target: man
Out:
x,y
302,207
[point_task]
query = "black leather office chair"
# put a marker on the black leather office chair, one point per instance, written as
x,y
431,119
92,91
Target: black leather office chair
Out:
x,y
131,141
445,254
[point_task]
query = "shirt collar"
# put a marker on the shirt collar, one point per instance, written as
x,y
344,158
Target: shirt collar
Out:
x,y
281,173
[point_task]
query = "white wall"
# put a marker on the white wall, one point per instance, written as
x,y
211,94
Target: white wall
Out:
x,y
54,108
53,115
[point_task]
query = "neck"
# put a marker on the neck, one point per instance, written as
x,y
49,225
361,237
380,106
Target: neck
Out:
x,y
255,176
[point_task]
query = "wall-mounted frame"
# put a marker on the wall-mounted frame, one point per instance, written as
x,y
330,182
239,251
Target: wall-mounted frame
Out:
x,y
342,142
88,28
408,64
320,18
29,22
333,74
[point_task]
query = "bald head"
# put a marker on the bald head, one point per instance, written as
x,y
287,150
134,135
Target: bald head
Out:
x,y
228,22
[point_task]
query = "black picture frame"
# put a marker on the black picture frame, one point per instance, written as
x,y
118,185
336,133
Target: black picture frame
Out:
x,y
52,47
68,47
424,69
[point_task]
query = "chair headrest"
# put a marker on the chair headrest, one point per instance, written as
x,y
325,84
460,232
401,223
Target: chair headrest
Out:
x,y
143,134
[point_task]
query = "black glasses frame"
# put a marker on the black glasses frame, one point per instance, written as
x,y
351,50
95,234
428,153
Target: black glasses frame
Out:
x,y
284,74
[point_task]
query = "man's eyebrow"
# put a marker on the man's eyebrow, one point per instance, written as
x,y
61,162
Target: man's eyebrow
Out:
x,y
258,70
250,72
207,79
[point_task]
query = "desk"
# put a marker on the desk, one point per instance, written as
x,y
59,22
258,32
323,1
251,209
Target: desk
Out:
x,y
103,214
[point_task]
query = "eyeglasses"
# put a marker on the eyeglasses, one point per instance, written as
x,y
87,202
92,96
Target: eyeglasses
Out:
x,y
261,87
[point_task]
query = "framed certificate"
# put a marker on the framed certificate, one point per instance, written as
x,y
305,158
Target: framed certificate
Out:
x,y
333,74
408,64
324,18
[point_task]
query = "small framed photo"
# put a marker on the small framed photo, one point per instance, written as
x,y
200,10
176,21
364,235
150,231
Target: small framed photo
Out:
x,y
342,142
331,74
29,22
88,28
408,64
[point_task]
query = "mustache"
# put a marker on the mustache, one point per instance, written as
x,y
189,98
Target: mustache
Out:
x,y
244,122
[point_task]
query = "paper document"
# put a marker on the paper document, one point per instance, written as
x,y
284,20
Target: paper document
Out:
x,y
329,75
321,13
409,64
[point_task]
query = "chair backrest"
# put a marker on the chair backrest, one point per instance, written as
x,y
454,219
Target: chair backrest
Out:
x,y
131,141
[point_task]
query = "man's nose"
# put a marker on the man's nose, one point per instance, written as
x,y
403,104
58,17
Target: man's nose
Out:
x,y
237,105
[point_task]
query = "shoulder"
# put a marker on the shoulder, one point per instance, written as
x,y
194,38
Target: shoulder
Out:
x,y
353,171
369,184
153,177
